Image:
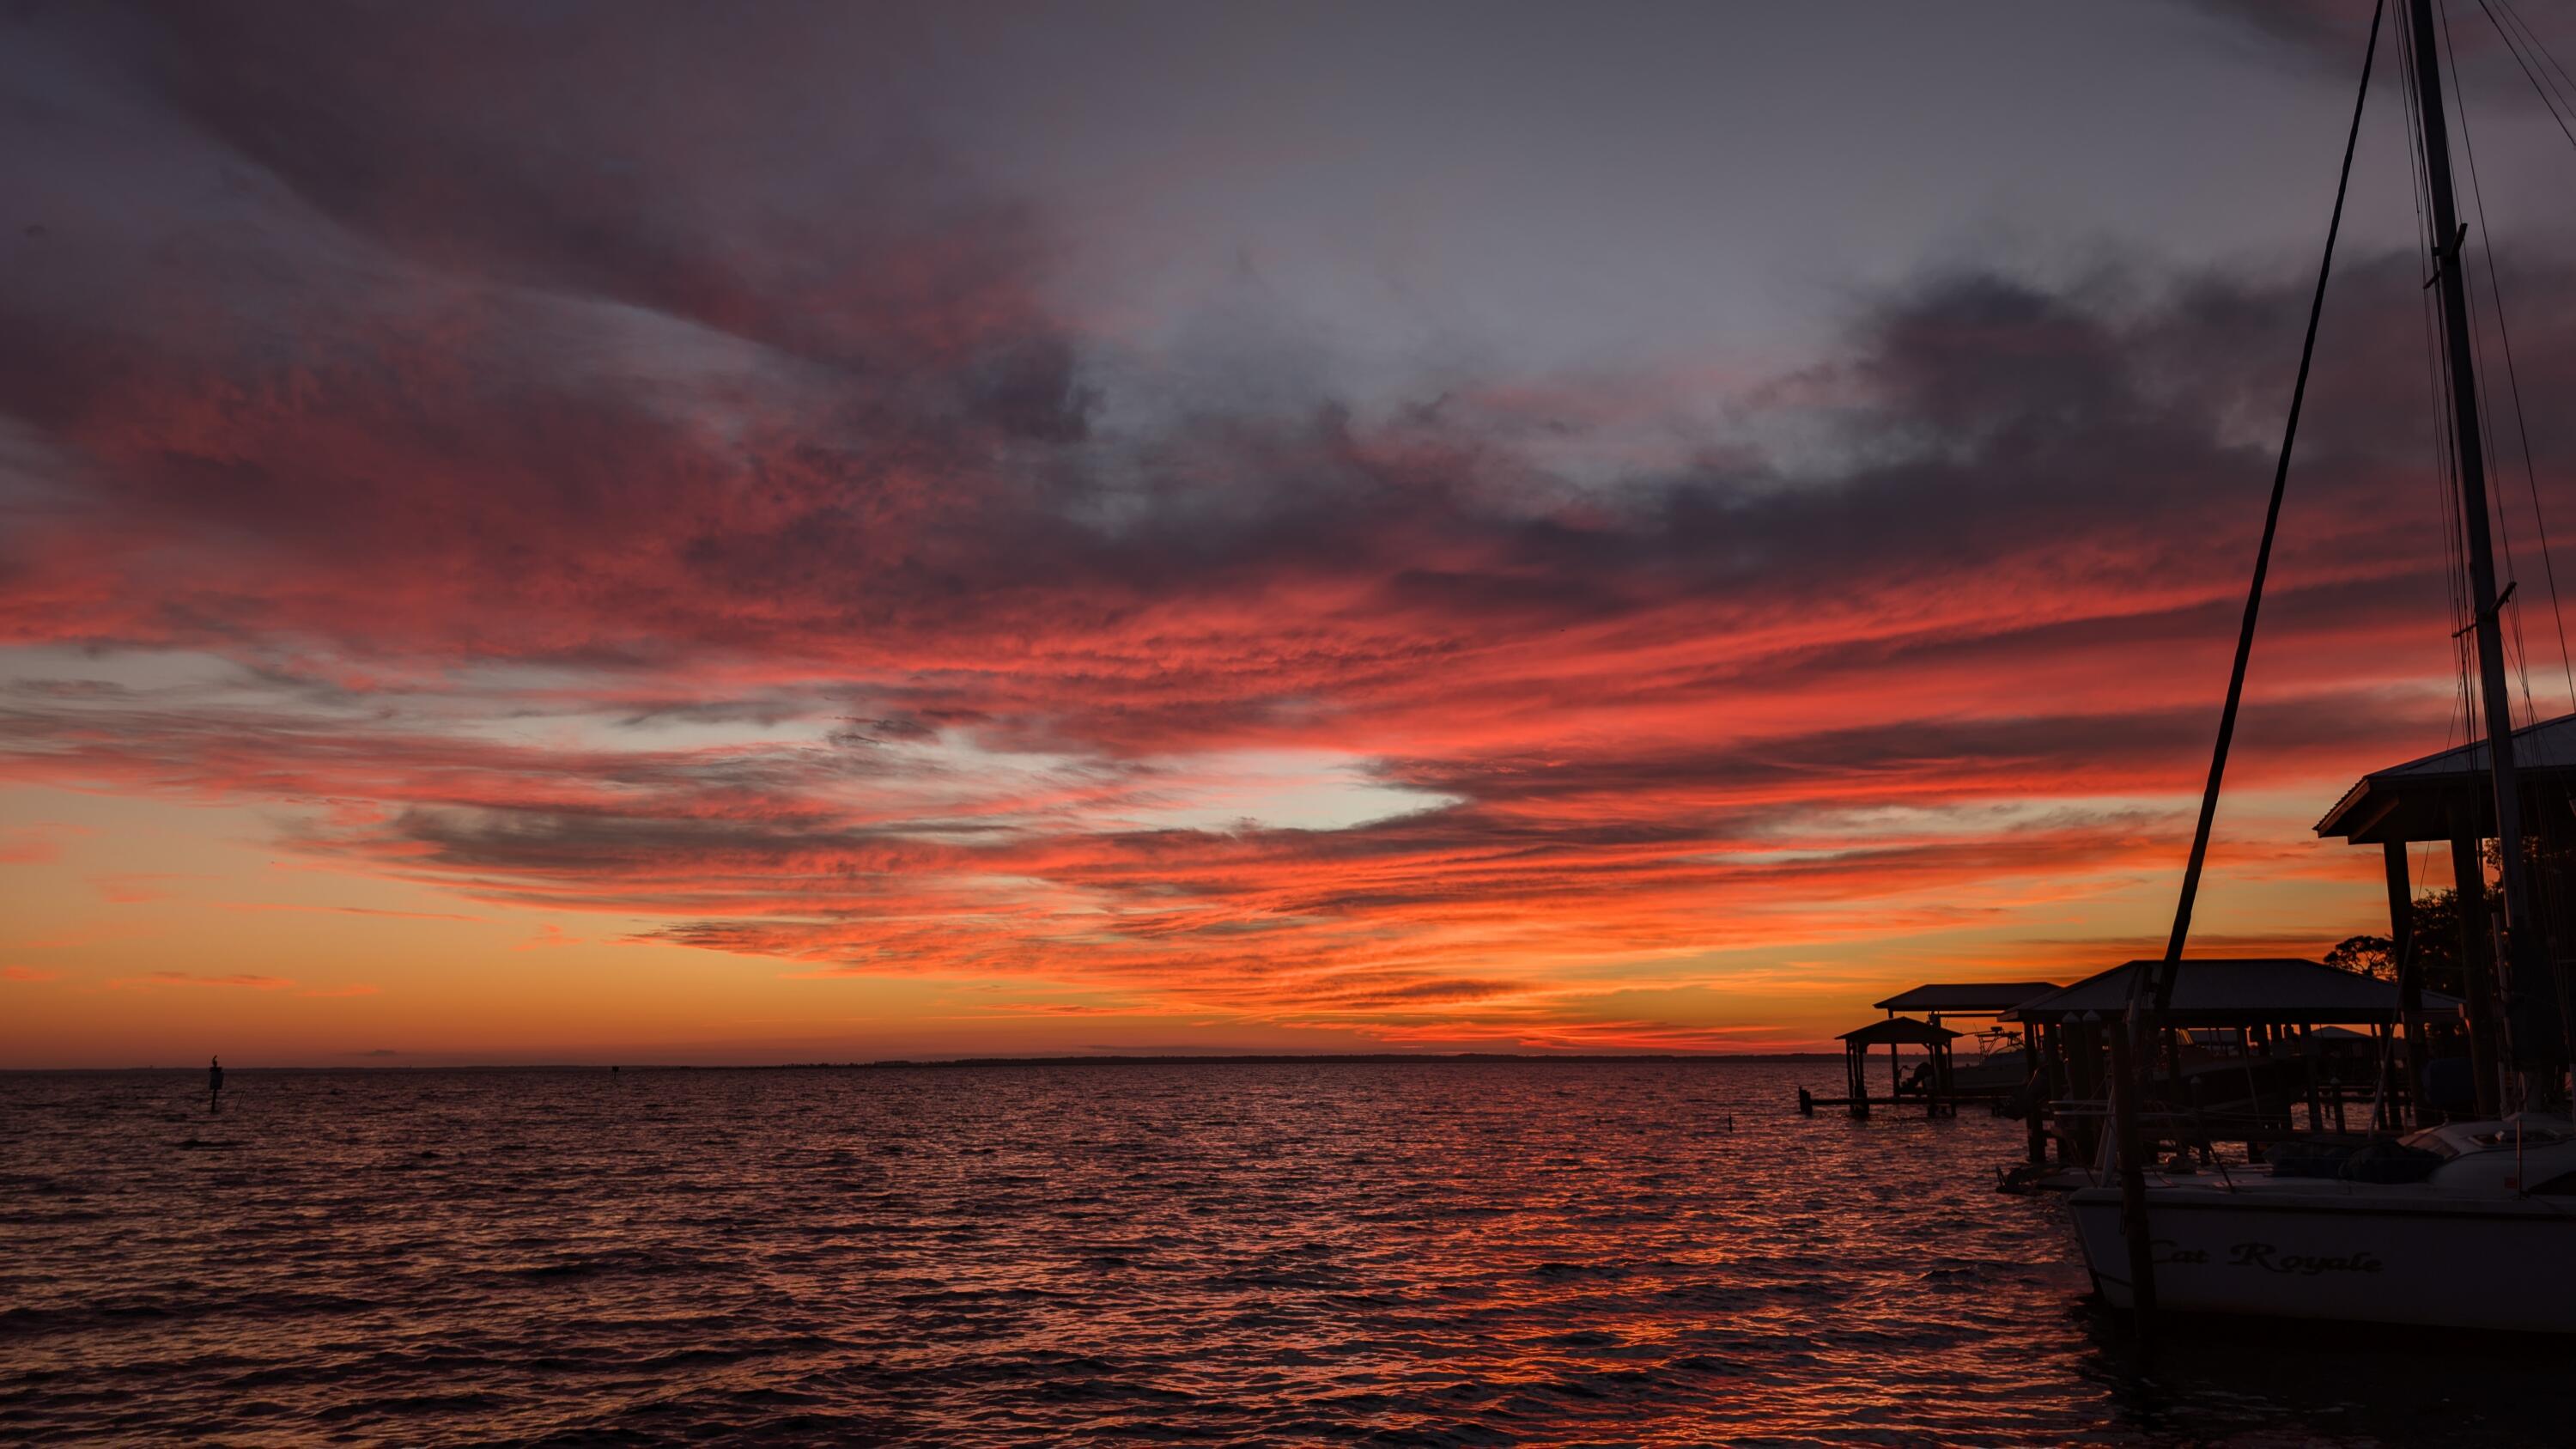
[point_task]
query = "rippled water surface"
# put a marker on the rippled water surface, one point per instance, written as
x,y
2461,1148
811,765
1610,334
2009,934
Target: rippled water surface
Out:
x,y
1467,1253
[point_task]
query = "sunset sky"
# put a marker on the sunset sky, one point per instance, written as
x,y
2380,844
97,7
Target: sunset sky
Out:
x,y
614,532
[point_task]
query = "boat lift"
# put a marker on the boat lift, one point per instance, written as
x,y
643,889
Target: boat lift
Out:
x,y
1930,1084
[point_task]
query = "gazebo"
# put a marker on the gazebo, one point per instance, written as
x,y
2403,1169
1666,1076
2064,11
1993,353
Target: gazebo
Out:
x,y
1897,1033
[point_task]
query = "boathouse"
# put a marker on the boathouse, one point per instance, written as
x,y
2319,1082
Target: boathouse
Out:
x,y
2238,1044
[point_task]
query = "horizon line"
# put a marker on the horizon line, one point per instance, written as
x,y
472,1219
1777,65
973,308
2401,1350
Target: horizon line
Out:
x,y
902,1063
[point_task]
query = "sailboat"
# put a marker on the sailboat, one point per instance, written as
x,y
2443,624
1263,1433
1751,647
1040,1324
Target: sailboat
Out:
x,y
2463,1225
2485,1238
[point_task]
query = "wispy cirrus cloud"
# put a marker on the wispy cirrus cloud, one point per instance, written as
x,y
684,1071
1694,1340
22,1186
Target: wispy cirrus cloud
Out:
x,y
241,980
37,844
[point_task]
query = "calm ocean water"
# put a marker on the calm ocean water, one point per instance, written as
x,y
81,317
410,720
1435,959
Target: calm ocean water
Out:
x,y
1648,1252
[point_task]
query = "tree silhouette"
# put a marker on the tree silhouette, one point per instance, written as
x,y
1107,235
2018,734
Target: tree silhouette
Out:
x,y
2436,921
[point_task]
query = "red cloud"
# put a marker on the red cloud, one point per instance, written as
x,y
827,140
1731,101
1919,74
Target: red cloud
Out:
x,y
770,571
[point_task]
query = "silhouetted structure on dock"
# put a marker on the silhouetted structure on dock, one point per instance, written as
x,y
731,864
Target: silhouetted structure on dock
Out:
x,y
2450,797
1938,999
2244,1041
1930,1084
2234,1050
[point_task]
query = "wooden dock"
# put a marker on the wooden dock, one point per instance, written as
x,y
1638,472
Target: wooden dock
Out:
x,y
1943,1104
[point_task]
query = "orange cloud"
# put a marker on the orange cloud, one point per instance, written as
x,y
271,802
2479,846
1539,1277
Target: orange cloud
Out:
x,y
39,843
190,978
126,888
593,561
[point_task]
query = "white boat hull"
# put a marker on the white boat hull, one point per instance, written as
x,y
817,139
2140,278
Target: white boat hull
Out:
x,y
2396,1254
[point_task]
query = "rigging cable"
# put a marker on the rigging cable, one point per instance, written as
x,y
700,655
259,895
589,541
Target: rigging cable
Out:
x,y
2548,97
2462,721
2486,404
2484,930
2254,592
2513,387
2549,886
2438,409
2472,899
2538,47
2151,988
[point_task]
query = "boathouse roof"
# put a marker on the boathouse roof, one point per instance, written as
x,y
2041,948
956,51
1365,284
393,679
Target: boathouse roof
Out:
x,y
2428,798
2237,991
1899,1031
1965,998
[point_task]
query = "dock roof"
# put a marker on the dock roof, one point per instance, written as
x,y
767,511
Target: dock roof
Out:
x,y
2237,991
2427,798
1900,1031
1965,998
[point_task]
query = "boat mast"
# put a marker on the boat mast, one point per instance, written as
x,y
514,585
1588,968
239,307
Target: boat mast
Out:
x,y
2450,258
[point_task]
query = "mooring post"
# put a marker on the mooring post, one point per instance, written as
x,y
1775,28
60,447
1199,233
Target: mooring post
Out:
x,y
2469,893
2410,977
2035,1093
2133,1186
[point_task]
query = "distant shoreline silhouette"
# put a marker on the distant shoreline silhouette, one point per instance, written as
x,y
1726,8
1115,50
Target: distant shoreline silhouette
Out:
x,y
1136,1060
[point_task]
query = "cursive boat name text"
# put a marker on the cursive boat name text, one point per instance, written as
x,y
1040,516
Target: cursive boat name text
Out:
x,y
2271,1259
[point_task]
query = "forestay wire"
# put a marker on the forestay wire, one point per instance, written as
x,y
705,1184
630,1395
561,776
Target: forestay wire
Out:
x,y
2142,999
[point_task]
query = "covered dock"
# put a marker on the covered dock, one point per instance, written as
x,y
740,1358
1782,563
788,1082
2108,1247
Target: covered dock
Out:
x,y
1930,1085
1937,999
2238,1047
1997,1073
2450,795
2231,991
2449,798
